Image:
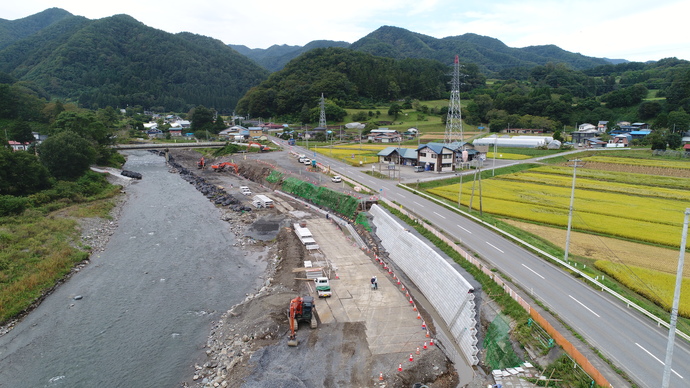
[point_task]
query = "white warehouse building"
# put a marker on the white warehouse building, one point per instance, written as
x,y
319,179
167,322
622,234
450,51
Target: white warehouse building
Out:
x,y
515,141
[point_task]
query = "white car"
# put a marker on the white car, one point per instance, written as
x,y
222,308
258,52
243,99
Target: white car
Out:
x,y
337,179
307,161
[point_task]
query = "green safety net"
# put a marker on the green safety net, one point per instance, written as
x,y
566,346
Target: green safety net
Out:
x,y
498,346
274,176
363,220
322,196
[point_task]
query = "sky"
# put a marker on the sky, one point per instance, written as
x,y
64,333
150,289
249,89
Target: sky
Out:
x,y
636,30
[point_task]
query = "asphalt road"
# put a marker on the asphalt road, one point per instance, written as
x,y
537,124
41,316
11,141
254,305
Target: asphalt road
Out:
x,y
631,341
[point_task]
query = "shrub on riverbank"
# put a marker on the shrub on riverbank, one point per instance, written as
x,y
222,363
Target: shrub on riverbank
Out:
x,y
39,245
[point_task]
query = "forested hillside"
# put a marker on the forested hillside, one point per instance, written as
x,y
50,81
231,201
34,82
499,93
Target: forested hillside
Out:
x,y
491,55
347,79
118,61
13,30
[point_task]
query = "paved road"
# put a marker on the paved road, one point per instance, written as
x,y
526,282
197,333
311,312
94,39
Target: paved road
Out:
x,y
631,341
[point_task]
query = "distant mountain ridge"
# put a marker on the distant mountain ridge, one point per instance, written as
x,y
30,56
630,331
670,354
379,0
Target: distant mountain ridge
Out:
x,y
276,57
118,61
489,54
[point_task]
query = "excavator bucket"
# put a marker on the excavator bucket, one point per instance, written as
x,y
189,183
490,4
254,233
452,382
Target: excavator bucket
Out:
x,y
293,342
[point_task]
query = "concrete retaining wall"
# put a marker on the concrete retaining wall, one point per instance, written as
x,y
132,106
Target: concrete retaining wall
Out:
x,y
449,293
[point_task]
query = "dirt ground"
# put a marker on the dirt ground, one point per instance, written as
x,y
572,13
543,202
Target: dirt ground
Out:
x,y
247,346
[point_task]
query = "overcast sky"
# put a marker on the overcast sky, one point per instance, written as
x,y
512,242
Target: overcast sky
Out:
x,y
636,30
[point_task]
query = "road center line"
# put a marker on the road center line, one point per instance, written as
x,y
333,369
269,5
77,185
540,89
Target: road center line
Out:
x,y
401,195
533,271
418,204
582,304
464,229
440,215
654,357
494,247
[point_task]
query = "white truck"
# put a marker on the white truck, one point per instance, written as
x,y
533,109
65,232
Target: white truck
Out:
x,y
245,190
323,287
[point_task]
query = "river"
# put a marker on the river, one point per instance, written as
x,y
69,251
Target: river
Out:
x,y
169,270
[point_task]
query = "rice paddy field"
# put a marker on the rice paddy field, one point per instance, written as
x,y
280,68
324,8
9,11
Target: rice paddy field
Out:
x,y
621,205
353,154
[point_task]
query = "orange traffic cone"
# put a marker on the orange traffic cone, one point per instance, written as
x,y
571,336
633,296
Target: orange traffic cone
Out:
x,y
423,325
417,352
431,342
411,301
403,287
424,345
411,359
419,316
414,307
336,276
427,334
381,376
398,281
400,368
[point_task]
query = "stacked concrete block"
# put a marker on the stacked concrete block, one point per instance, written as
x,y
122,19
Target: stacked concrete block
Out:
x,y
450,294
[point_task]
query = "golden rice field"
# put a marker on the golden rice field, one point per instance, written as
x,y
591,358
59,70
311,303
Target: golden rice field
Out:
x,y
640,162
351,156
506,155
595,247
642,210
655,286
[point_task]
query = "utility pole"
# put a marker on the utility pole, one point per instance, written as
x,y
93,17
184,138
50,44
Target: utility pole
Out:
x,y
576,163
674,310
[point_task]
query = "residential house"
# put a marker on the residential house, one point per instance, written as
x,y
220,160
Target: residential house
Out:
x,y
523,130
622,140
17,146
437,157
639,134
603,126
402,156
256,132
175,132
384,135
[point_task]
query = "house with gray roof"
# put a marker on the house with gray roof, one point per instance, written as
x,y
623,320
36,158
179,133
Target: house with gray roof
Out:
x,y
402,156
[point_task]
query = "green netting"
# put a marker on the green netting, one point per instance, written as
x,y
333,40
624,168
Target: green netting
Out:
x,y
499,349
363,220
333,200
274,176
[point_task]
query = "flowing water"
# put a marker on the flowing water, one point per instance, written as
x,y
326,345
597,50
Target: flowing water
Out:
x,y
147,301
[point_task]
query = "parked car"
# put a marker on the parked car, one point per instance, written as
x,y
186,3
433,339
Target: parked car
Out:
x,y
418,168
306,161
337,179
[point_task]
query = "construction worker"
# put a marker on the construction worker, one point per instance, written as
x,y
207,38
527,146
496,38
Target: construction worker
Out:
x,y
374,283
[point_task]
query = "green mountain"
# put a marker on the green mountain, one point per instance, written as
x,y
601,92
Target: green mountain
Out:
x,y
118,61
276,57
13,30
346,77
490,54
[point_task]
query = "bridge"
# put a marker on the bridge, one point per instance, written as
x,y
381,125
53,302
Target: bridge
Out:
x,y
146,146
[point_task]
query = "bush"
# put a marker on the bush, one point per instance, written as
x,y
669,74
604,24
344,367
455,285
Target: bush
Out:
x,y
10,205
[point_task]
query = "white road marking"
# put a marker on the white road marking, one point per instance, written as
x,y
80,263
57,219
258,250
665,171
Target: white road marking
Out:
x,y
418,204
533,271
654,357
464,229
401,195
494,247
440,215
583,305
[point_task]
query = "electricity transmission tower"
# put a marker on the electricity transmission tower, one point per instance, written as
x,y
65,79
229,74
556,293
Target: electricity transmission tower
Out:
x,y
322,115
454,118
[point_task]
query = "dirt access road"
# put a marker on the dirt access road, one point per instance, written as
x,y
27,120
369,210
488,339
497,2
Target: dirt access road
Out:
x,y
353,344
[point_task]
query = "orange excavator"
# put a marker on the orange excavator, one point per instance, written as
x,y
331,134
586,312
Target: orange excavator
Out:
x,y
221,166
301,309
262,148
201,164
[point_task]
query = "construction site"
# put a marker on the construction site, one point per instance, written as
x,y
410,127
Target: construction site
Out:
x,y
299,331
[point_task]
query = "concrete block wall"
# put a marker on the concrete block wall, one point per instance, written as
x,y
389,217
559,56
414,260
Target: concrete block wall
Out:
x,y
449,293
